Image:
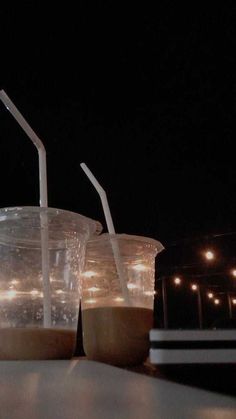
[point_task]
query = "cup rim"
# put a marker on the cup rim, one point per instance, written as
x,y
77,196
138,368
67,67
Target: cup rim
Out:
x,y
155,243
8,213
12,218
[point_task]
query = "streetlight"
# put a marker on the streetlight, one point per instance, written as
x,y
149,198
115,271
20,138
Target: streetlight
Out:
x,y
177,280
196,287
209,255
231,301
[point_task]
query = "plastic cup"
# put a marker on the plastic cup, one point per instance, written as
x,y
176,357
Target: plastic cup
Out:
x,y
114,332
22,299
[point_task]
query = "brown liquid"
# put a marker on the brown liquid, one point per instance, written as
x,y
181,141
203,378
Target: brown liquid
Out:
x,y
117,335
36,343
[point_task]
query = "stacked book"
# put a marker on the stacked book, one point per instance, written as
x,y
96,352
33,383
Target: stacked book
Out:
x,y
192,346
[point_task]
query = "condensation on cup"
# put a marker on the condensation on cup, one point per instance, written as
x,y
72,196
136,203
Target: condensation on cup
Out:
x,y
39,308
117,298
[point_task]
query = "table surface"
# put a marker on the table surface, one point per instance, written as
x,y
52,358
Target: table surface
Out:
x,y
85,389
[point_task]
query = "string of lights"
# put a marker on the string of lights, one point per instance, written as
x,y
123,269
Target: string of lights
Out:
x,y
198,277
207,237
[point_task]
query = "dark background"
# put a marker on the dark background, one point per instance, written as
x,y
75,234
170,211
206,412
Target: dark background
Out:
x,y
146,97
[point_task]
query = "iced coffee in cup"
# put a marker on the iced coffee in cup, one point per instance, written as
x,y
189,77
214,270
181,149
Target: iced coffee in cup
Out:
x,y
38,320
117,301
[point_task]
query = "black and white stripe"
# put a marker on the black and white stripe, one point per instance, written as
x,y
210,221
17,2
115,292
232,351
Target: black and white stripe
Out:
x,y
192,346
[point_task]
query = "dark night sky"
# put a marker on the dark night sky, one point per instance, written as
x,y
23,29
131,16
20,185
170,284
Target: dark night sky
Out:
x,y
145,97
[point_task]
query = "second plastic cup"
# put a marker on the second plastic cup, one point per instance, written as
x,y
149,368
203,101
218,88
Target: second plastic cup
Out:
x,y
115,329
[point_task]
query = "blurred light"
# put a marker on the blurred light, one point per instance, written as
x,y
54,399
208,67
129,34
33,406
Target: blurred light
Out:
x,y
34,292
8,295
149,293
53,279
14,282
177,281
194,287
234,272
93,289
140,267
11,294
209,255
132,286
59,292
210,294
234,300
118,299
89,274
90,301
216,301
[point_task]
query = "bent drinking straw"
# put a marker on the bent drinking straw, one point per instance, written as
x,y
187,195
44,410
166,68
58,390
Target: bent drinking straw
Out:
x,y
43,202
111,230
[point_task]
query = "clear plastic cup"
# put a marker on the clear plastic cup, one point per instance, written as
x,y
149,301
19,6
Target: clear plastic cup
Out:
x,y
116,330
23,334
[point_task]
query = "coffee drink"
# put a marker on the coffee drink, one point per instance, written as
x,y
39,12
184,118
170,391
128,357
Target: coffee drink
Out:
x,y
117,335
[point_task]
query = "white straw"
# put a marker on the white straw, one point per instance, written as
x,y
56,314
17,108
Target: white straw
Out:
x,y
111,230
43,201
37,142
